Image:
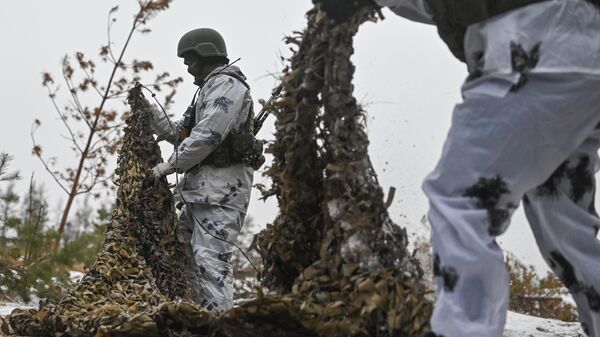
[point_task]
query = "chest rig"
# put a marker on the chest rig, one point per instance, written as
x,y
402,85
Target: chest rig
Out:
x,y
238,147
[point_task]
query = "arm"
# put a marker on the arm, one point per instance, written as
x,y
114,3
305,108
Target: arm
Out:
x,y
219,109
414,10
163,126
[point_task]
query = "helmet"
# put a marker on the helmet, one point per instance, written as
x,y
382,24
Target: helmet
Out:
x,y
204,41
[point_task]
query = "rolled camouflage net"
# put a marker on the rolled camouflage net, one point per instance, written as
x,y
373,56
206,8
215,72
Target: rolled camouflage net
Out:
x,y
336,262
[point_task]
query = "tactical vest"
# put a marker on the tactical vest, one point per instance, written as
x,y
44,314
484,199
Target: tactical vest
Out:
x,y
238,147
452,17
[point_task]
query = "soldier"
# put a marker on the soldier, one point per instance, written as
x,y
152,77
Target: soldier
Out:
x,y
212,149
528,129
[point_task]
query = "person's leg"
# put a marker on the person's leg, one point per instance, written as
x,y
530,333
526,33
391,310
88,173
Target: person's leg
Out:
x,y
565,224
498,148
186,229
213,255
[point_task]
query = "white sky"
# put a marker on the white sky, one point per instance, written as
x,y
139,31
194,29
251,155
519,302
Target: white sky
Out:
x,y
404,72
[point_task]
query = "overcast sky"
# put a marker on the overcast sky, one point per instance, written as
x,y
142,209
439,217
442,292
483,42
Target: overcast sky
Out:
x,y
405,75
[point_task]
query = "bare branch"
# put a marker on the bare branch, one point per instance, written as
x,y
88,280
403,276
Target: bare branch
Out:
x,y
108,133
118,126
52,174
92,81
124,92
93,187
81,114
111,20
69,83
84,179
64,120
78,106
86,189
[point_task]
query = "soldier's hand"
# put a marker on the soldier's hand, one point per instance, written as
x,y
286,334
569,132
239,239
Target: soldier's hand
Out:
x,y
162,169
342,10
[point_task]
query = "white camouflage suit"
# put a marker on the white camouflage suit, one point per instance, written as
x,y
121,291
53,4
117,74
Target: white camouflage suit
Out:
x,y
216,199
528,129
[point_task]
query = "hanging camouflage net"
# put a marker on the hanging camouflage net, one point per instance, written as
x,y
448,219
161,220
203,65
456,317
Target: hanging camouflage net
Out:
x,y
141,263
336,262
333,243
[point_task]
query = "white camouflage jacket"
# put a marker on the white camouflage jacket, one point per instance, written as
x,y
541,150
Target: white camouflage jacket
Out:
x,y
223,105
549,34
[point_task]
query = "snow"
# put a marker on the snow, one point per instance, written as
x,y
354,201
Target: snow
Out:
x,y
7,307
519,325
75,276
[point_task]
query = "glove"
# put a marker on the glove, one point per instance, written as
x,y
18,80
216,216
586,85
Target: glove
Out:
x,y
342,10
162,169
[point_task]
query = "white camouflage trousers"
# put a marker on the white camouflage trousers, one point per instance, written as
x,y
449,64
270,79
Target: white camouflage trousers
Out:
x,y
538,143
212,273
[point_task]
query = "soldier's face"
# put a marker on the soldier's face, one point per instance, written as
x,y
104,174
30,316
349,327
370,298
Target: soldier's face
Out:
x,y
195,66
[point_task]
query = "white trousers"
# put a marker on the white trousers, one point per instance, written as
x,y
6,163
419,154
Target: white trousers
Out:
x,y
538,144
212,273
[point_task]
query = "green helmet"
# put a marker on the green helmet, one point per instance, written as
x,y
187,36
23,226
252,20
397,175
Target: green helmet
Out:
x,y
204,41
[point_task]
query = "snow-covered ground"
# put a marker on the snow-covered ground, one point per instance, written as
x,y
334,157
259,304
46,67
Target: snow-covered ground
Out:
x,y
7,307
517,326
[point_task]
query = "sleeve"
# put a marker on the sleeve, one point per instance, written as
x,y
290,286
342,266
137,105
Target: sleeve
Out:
x,y
219,110
414,10
163,126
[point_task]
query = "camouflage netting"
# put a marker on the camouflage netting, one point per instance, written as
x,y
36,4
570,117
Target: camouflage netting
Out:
x,y
336,263
333,244
141,263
